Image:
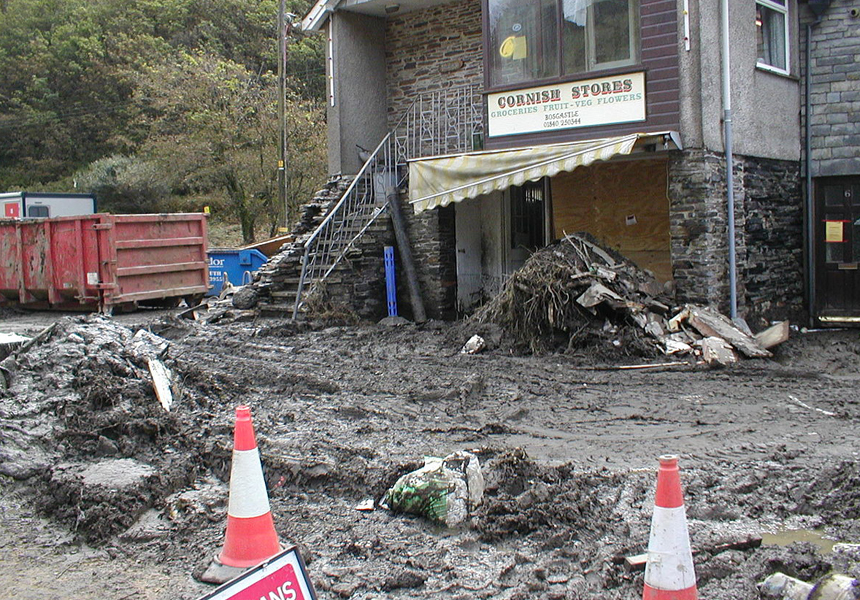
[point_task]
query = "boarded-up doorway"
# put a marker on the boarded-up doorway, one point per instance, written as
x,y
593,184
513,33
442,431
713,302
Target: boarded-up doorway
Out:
x,y
624,205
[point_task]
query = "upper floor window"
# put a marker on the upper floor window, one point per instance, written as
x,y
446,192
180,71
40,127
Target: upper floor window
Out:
x,y
771,20
531,40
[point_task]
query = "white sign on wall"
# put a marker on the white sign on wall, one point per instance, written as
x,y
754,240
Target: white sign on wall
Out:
x,y
617,99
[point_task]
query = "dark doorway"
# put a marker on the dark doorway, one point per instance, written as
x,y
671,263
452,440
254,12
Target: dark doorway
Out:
x,y
527,216
527,222
837,250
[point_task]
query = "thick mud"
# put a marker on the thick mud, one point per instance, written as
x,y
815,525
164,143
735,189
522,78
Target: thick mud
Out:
x,y
107,495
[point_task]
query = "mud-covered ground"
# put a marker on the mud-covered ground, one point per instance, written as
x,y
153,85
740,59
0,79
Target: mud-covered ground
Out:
x,y
106,495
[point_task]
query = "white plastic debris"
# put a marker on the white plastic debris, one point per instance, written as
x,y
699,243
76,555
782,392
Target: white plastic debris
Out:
x,y
475,344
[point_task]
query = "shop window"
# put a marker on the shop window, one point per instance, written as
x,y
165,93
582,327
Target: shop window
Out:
x,y
771,21
534,40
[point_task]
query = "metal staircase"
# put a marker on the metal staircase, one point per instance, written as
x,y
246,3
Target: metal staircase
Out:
x,y
364,200
440,122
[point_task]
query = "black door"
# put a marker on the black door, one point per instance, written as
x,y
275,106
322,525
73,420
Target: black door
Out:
x,y
837,250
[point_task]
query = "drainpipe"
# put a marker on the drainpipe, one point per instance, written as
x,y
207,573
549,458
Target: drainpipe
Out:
x,y
818,7
727,126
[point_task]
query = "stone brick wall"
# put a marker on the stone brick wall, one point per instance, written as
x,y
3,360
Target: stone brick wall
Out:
x,y
835,91
772,267
427,51
432,49
432,234
697,225
359,282
769,233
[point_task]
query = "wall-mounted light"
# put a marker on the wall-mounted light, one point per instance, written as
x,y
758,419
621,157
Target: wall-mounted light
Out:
x,y
390,9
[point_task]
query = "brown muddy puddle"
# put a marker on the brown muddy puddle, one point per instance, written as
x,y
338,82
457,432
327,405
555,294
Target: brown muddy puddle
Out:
x,y
789,536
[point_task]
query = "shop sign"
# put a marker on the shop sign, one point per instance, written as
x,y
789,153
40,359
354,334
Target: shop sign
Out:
x,y
586,103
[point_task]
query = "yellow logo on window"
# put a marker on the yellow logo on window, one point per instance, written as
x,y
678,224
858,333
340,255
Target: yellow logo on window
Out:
x,y
514,47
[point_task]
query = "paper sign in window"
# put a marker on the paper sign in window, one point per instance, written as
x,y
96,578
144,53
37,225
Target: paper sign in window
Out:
x,y
514,47
833,231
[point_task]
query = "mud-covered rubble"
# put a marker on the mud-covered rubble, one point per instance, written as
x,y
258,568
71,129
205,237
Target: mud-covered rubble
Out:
x,y
83,423
342,412
575,295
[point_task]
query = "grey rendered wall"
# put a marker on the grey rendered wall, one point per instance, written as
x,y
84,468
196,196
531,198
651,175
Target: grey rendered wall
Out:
x,y
765,106
835,46
358,116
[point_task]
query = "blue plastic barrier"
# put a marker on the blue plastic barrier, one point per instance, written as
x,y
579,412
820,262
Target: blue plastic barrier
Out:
x,y
233,266
390,284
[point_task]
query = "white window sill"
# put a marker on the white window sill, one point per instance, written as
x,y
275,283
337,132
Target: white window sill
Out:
x,y
775,71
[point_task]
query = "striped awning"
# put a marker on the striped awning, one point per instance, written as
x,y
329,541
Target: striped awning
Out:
x,y
442,180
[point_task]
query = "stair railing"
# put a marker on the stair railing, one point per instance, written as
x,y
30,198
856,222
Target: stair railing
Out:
x,y
362,202
438,122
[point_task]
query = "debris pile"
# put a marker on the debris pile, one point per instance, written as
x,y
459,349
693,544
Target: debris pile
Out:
x,y
575,293
444,490
89,418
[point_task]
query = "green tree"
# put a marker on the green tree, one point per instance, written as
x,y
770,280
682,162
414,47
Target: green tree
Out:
x,y
69,68
214,126
125,184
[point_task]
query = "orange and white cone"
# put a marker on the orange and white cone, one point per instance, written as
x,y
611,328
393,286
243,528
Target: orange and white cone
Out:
x,y
669,573
251,537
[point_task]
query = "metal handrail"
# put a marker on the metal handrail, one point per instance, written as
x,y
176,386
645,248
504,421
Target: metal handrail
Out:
x,y
435,123
362,202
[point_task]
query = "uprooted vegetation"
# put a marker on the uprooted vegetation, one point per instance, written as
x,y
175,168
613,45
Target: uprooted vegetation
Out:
x,y
576,294
578,297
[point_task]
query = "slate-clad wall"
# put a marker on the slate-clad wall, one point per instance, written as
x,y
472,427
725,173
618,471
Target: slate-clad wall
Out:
x,y
769,234
835,45
772,267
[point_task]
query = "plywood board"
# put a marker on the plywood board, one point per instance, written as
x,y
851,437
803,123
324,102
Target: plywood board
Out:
x,y
624,205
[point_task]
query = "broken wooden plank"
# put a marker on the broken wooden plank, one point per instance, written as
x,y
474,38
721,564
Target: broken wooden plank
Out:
x,y
161,382
712,324
744,543
596,294
773,335
652,366
604,273
806,406
675,322
715,350
664,365
675,347
637,562
741,324
41,336
599,252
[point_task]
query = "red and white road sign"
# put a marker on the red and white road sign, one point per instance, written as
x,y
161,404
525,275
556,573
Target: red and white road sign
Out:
x,y
282,577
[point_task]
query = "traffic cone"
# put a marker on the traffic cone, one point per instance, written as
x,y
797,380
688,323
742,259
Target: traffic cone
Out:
x,y
669,573
251,537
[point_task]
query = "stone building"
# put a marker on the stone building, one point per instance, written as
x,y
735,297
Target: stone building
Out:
x,y
520,120
830,49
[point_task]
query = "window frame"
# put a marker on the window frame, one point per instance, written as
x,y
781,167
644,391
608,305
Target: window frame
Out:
x,y
605,69
784,10
634,35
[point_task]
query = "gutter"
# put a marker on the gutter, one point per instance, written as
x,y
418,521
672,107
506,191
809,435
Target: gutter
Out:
x,y
318,14
818,8
727,125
